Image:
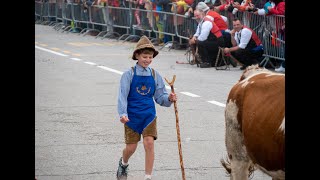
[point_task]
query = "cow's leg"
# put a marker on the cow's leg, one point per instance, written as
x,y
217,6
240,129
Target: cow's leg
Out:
x,y
237,153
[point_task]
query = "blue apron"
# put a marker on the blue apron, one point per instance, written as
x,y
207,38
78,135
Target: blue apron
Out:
x,y
141,109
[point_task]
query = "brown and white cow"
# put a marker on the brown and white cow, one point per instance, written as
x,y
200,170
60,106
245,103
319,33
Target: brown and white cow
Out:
x,y
255,125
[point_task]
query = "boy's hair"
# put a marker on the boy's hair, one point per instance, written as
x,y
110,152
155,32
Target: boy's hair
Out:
x,y
145,51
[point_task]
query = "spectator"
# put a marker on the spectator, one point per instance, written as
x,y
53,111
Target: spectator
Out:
x,y
223,6
208,37
138,4
148,6
168,26
193,7
228,5
278,9
272,7
259,3
212,3
282,67
265,10
243,6
247,47
160,5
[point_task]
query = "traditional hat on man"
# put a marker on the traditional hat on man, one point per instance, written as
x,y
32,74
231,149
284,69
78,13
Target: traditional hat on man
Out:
x,y
144,43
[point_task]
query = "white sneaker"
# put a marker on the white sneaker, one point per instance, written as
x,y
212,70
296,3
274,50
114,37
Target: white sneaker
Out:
x,y
147,177
280,69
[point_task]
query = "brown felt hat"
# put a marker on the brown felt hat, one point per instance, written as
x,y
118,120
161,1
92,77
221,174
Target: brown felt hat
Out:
x,y
143,43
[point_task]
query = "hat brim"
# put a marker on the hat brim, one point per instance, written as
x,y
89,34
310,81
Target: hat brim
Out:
x,y
146,46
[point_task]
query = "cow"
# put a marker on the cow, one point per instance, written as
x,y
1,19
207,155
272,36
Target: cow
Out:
x,y
255,125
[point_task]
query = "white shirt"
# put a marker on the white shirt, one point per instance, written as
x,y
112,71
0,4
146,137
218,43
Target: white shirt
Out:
x,y
243,37
203,30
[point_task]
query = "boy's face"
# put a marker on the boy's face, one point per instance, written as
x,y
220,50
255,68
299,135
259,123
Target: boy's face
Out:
x,y
144,59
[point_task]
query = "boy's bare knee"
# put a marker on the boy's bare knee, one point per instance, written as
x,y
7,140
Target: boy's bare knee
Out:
x,y
148,143
131,148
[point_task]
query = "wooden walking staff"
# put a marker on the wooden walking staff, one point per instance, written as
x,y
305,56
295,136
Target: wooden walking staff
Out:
x,y
177,127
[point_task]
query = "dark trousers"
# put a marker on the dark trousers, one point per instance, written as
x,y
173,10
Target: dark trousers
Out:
x,y
208,50
227,39
247,57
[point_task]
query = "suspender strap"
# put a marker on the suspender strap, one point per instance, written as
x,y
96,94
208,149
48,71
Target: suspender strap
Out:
x,y
152,70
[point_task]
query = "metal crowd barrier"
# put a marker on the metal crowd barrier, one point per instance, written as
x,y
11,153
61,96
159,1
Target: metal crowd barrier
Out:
x,y
38,11
120,22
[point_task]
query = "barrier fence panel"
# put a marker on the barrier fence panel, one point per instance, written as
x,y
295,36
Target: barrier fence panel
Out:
x,y
97,16
68,12
45,13
80,15
59,9
270,29
119,17
163,23
38,11
274,37
186,27
142,21
257,24
52,12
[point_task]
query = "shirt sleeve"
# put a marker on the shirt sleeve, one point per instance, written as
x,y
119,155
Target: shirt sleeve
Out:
x,y
161,95
279,10
197,32
245,38
124,90
205,30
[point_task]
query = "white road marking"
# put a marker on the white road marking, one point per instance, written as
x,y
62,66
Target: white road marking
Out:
x,y
111,70
76,59
90,63
189,94
119,72
50,51
217,103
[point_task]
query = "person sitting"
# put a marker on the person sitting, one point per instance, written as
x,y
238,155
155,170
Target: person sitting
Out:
x,y
247,47
208,37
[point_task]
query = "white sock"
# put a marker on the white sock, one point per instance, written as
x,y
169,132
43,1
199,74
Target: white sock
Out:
x,y
147,176
124,163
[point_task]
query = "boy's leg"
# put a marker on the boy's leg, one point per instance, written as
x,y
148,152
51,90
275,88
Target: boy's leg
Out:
x,y
148,143
128,151
131,138
149,136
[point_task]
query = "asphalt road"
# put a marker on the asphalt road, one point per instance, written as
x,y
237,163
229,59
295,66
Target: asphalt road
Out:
x,y
77,130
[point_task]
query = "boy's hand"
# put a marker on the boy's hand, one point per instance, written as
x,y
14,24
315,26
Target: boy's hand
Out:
x,y
172,97
124,119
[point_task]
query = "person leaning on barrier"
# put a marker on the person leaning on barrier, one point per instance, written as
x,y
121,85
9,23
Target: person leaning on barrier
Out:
x,y
247,47
192,8
208,37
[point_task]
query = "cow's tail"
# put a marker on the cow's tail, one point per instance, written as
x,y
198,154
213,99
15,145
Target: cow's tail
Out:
x,y
225,162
